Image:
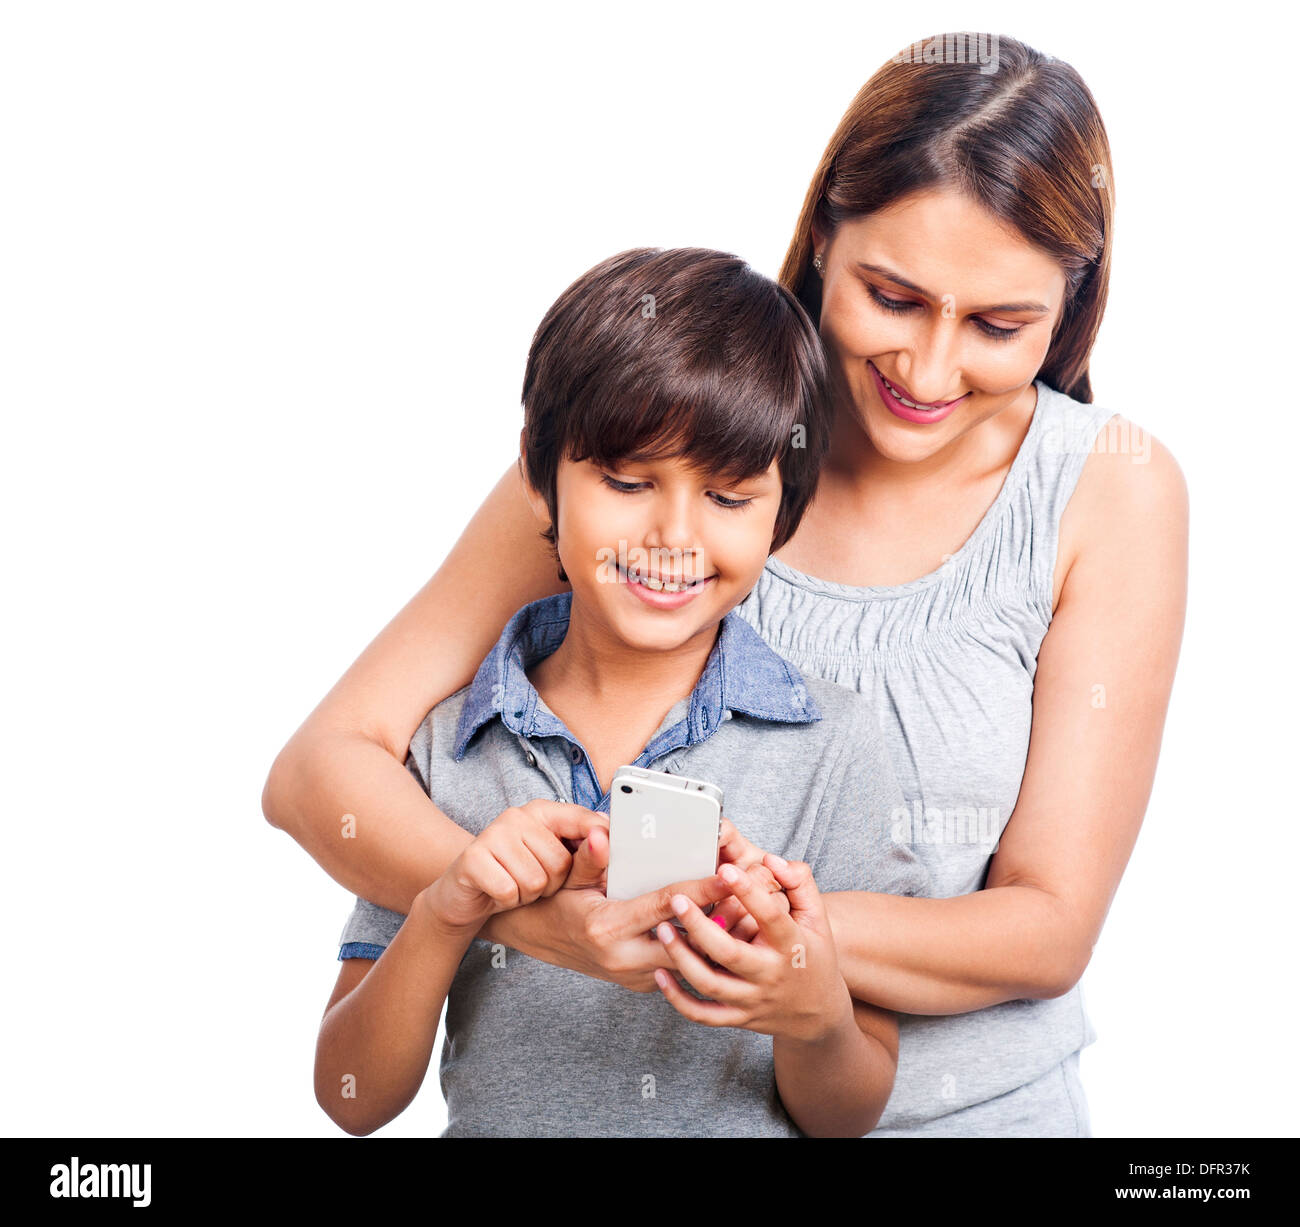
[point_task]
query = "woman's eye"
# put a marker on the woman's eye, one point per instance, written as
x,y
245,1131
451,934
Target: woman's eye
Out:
x,y
897,305
998,334
900,306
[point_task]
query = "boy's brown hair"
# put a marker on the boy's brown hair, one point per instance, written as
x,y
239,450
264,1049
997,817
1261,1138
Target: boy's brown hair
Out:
x,y
684,352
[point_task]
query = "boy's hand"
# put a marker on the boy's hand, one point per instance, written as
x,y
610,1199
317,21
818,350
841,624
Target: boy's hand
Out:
x,y
607,939
519,857
731,914
785,982
735,849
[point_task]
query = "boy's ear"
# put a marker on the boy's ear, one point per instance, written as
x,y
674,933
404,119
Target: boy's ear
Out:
x,y
535,500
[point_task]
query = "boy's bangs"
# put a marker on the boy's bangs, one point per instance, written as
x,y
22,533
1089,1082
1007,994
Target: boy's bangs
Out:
x,y
722,429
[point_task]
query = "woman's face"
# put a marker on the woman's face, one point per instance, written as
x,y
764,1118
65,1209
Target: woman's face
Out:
x,y
945,302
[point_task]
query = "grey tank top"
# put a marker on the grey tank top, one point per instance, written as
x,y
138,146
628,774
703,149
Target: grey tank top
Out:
x,y
949,660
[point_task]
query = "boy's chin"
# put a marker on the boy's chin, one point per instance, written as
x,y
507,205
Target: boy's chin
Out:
x,y
654,630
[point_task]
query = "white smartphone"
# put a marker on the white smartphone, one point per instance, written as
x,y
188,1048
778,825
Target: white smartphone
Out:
x,y
663,828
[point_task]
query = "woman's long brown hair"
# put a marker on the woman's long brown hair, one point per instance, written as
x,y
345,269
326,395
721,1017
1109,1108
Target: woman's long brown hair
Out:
x,y
1026,141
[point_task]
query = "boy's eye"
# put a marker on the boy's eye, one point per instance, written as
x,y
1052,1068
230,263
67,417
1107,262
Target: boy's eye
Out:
x,y
626,487
631,487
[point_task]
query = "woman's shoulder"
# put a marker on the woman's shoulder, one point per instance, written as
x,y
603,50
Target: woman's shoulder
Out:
x,y
1130,485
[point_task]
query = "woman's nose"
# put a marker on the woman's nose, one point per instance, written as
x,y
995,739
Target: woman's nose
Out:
x,y
931,366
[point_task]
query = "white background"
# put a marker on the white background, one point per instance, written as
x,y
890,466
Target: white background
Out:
x,y
268,275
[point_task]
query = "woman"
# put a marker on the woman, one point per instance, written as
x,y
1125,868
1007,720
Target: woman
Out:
x,y
998,563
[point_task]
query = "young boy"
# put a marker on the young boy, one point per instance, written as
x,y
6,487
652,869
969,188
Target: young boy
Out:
x,y
676,414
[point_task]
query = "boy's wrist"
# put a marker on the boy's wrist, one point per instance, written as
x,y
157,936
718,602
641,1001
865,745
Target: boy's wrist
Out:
x,y
836,1026
434,922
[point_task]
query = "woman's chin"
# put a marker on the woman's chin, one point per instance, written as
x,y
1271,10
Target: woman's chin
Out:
x,y
905,442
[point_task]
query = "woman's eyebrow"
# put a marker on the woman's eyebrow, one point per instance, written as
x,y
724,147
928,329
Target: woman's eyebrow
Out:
x,y
1035,307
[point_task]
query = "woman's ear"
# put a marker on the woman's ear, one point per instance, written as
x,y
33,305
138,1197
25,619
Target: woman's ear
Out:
x,y
816,240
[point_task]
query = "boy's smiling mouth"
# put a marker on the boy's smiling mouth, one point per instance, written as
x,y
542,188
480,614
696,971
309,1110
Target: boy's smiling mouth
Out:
x,y
663,593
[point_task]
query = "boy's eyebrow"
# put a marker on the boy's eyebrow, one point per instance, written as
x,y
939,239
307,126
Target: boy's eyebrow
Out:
x,y
1036,307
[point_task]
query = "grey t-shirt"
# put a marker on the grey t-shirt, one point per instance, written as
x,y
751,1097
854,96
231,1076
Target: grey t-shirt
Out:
x,y
534,1050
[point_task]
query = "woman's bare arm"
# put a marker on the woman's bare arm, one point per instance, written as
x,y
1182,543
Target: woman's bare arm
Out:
x,y
347,757
1101,692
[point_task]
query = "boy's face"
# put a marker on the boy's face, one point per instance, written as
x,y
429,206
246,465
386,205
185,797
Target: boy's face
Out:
x,y
628,536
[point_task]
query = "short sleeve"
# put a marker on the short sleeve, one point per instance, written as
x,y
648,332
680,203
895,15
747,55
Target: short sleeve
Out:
x,y
368,931
419,753
854,835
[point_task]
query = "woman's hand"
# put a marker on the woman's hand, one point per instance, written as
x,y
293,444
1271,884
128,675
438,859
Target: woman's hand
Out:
x,y
607,939
785,982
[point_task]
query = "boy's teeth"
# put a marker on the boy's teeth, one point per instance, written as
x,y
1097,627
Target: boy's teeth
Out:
x,y
659,585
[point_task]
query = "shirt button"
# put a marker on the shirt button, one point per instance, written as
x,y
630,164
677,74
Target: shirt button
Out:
x,y
575,754
532,758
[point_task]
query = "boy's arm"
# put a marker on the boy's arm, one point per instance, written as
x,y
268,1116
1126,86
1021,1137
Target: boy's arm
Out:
x,y
838,1086
380,1025
379,1028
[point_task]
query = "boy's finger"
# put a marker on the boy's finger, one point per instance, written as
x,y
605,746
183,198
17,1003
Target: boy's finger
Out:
x,y
567,820
551,854
520,861
734,847
589,862
774,922
711,981
708,938
796,878
632,917
710,1013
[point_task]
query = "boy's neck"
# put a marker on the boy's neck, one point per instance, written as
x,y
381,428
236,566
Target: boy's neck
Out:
x,y
594,673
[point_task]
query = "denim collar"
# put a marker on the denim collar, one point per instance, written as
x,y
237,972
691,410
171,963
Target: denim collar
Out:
x,y
742,674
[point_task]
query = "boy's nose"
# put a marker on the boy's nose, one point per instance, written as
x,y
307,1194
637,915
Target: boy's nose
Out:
x,y
672,526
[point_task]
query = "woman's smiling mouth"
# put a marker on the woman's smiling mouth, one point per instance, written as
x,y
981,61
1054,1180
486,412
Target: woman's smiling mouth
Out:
x,y
898,403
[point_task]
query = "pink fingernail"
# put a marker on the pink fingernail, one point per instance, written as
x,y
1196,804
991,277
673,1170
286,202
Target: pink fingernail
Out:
x,y
720,921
